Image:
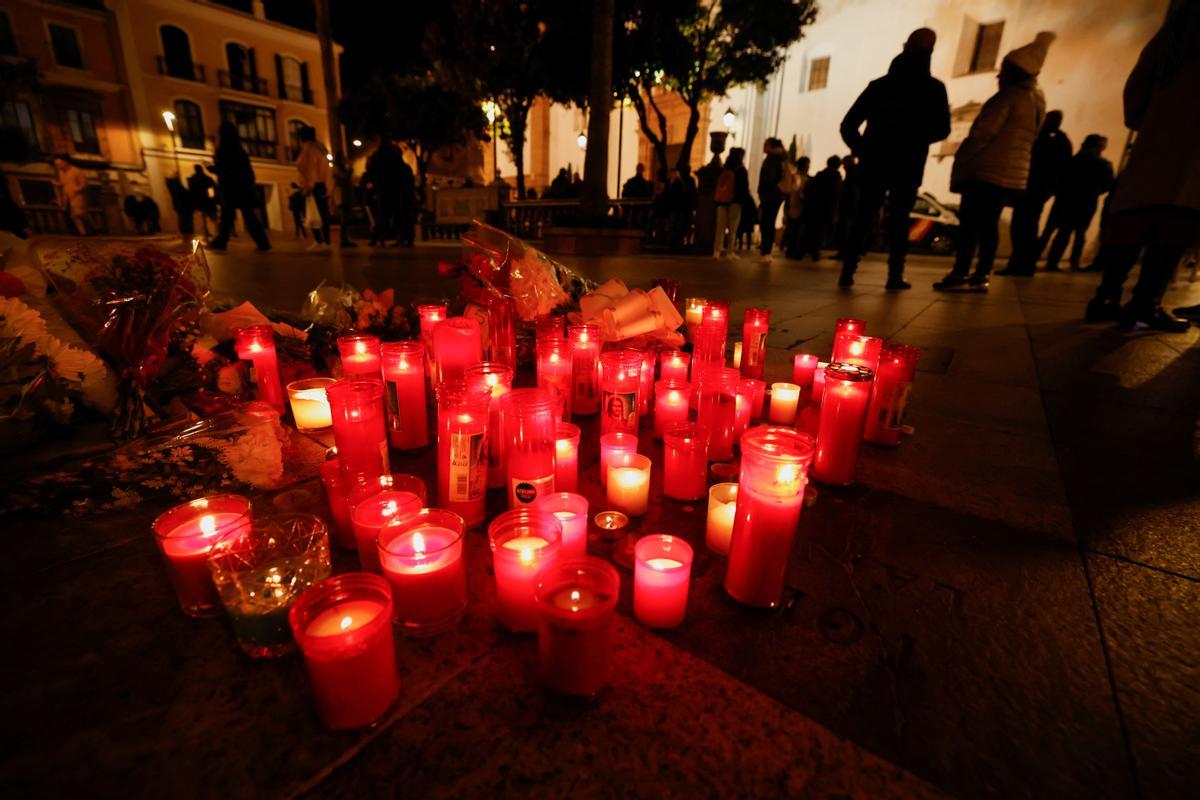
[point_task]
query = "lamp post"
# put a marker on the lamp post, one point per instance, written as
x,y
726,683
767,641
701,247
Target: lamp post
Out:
x,y
492,112
169,119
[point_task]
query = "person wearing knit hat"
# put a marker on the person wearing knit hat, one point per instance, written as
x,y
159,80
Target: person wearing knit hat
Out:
x,y
991,166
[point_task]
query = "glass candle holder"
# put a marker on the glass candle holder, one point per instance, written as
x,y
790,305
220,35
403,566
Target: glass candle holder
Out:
x,y
548,328
716,408
722,501
497,380
818,387
255,344
523,542
843,414
803,367
670,288
849,325
495,313
646,384
716,312
861,351
755,325
260,571
554,371
737,354
575,600
421,556
186,534
671,402
693,313
566,457
310,406
709,349
359,425
743,405
429,316
628,488
360,356
685,461
769,498
785,401
673,365
571,510
889,397
620,375
404,394
337,492
662,572
457,344
585,363
611,445
463,450
344,628
374,502
529,422
757,408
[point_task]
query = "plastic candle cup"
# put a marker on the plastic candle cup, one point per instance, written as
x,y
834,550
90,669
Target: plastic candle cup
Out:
x,y
462,450
571,510
716,408
674,365
672,398
785,399
716,312
685,461
628,489
575,600
554,371
818,386
548,327
709,349
360,356
737,354
375,502
404,394
344,628
620,376
529,423
755,325
256,345
861,351
310,406
261,570
692,315
662,572
186,534
566,457
611,445
456,346
889,397
585,361
430,316
803,367
646,384
722,501
743,407
760,396
359,427
421,556
670,288
337,492
770,496
523,542
497,380
495,314
843,414
849,325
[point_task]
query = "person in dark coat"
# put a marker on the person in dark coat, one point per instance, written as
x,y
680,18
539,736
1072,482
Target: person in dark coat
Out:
x,y
181,203
133,210
820,207
637,187
148,209
560,187
1049,160
793,232
383,175
1088,176
905,111
200,187
235,176
296,206
406,204
770,196
849,201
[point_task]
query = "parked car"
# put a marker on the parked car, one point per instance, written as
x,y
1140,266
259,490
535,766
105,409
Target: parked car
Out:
x,y
932,226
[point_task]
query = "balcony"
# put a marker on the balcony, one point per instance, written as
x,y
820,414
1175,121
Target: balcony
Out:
x,y
297,94
242,83
186,72
261,148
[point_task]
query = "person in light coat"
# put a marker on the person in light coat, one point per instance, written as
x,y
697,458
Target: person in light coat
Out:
x,y
315,177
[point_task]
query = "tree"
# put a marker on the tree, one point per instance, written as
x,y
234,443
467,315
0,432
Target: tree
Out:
x,y
700,50
594,202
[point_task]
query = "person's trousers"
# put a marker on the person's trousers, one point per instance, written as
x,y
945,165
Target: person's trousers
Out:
x,y
766,222
793,236
979,227
729,216
812,234
1059,245
321,199
900,196
1161,235
249,217
1027,216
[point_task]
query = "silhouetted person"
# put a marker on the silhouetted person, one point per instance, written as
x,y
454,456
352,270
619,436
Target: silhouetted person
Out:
x,y
133,210
181,204
315,177
12,216
733,187
1155,209
1088,176
770,197
849,203
793,232
637,187
745,233
200,187
905,111
385,179
235,177
149,212
296,206
820,207
1049,160
992,164
560,187
406,204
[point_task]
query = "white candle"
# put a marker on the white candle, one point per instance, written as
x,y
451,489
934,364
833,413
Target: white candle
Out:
x,y
629,484
785,397
737,355
722,503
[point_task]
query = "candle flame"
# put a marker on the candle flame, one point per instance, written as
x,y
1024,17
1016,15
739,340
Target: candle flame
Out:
x,y
787,473
563,445
389,508
554,358
346,622
255,347
583,337
526,555
574,599
673,396
492,379
464,418
360,347
418,543
856,348
208,525
403,364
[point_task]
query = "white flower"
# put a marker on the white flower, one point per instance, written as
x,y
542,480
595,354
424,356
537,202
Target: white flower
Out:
x,y
19,321
81,367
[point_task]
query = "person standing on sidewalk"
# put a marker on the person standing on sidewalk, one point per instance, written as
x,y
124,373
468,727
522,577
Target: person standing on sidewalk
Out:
x,y
992,163
1051,155
316,181
770,196
733,184
1088,176
821,194
235,178
794,231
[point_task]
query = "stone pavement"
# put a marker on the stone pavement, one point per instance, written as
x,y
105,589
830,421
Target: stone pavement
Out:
x,y
1003,606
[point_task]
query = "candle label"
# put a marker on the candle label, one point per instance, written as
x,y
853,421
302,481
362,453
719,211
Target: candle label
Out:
x,y
621,408
522,492
468,453
559,395
585,381
757,346
480,315
391,397
893,405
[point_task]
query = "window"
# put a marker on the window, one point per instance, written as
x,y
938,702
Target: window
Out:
x,y
15,115
64,42
177,53
37,192
243,69
8,42
291,79
818,73
189,124
293,137
987,47
256,126
83,131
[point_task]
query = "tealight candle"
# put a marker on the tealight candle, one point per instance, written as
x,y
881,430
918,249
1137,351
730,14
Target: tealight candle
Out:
x,y
620,375
611,445
359,428
674,365
338,485
755,325
374,503
404,394
716,407
462,450
456,345
554,371
861,351
310,406
662,572
585,361
804,366
685,461
889,398
670,403
344,628
610,521
421,556
523,542
360,356
429,316
722,501
843,413
785,398
186,534
528,419
566,457
571,510
629,484
575,600
256,345
497,380
692,315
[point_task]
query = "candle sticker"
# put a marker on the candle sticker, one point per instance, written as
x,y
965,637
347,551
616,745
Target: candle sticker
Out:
x,y
758,346
468,452
893,405
621,409
526,491
584,378
392,398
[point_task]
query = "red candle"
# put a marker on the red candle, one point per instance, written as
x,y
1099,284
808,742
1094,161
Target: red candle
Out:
x,y
524,541
843,413
611,445
528,420
360,356
709,349
755,324
818,386
747,389
404,386
849,325
343,625
186,534
685,461
670,404
497,380
646,386
620,374
359,426
256,345
337,491
574,602
421,555
571,510
628,489
430,316
548,328
716,312
716,408
462,450
496,327
861,351
769,498
889,398
662,572
803,368
375,502
760,397
670,288
674,365
585,360
554,372
456,346
566,457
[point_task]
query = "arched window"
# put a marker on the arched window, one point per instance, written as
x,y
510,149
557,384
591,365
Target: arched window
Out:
x,y
290,78
189,124
177,53
293,132
243,68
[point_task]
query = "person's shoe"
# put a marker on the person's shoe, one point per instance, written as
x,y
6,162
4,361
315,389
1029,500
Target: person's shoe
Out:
x,y
897,285
1188,312
978,283
950,283
1158,319
1102,311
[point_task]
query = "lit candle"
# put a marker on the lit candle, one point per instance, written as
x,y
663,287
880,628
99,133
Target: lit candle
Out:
x,y
685,461
769,498
575,600
755,325
709,350
629,484
692,315
722,501
523,542
554,371
673,365
889,398
360,356
456,346
571,510
186,534
861,351
785,398
404,394
528,419
359,427
670,288
620,376
421,555
566,457
737,354
716,407
662,571
497,380
849,325
429,316
310,406
843,413
818,386
256,344
760,396
374,503
670,404
585,361
338,486
343,625
612,445
646,386
462,450
803,368
548,328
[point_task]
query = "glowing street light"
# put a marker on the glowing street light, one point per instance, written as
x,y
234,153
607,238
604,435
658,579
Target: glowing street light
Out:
x,y
729,118
357,142
582,140
169,121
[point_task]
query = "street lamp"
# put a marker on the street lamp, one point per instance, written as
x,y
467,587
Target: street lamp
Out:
x,y
582,140
729,118
492,111
169,120
357,143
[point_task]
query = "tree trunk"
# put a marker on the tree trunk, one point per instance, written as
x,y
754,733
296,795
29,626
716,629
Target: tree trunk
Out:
x,y
594,203
336,143
684,162
517,115
659,143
